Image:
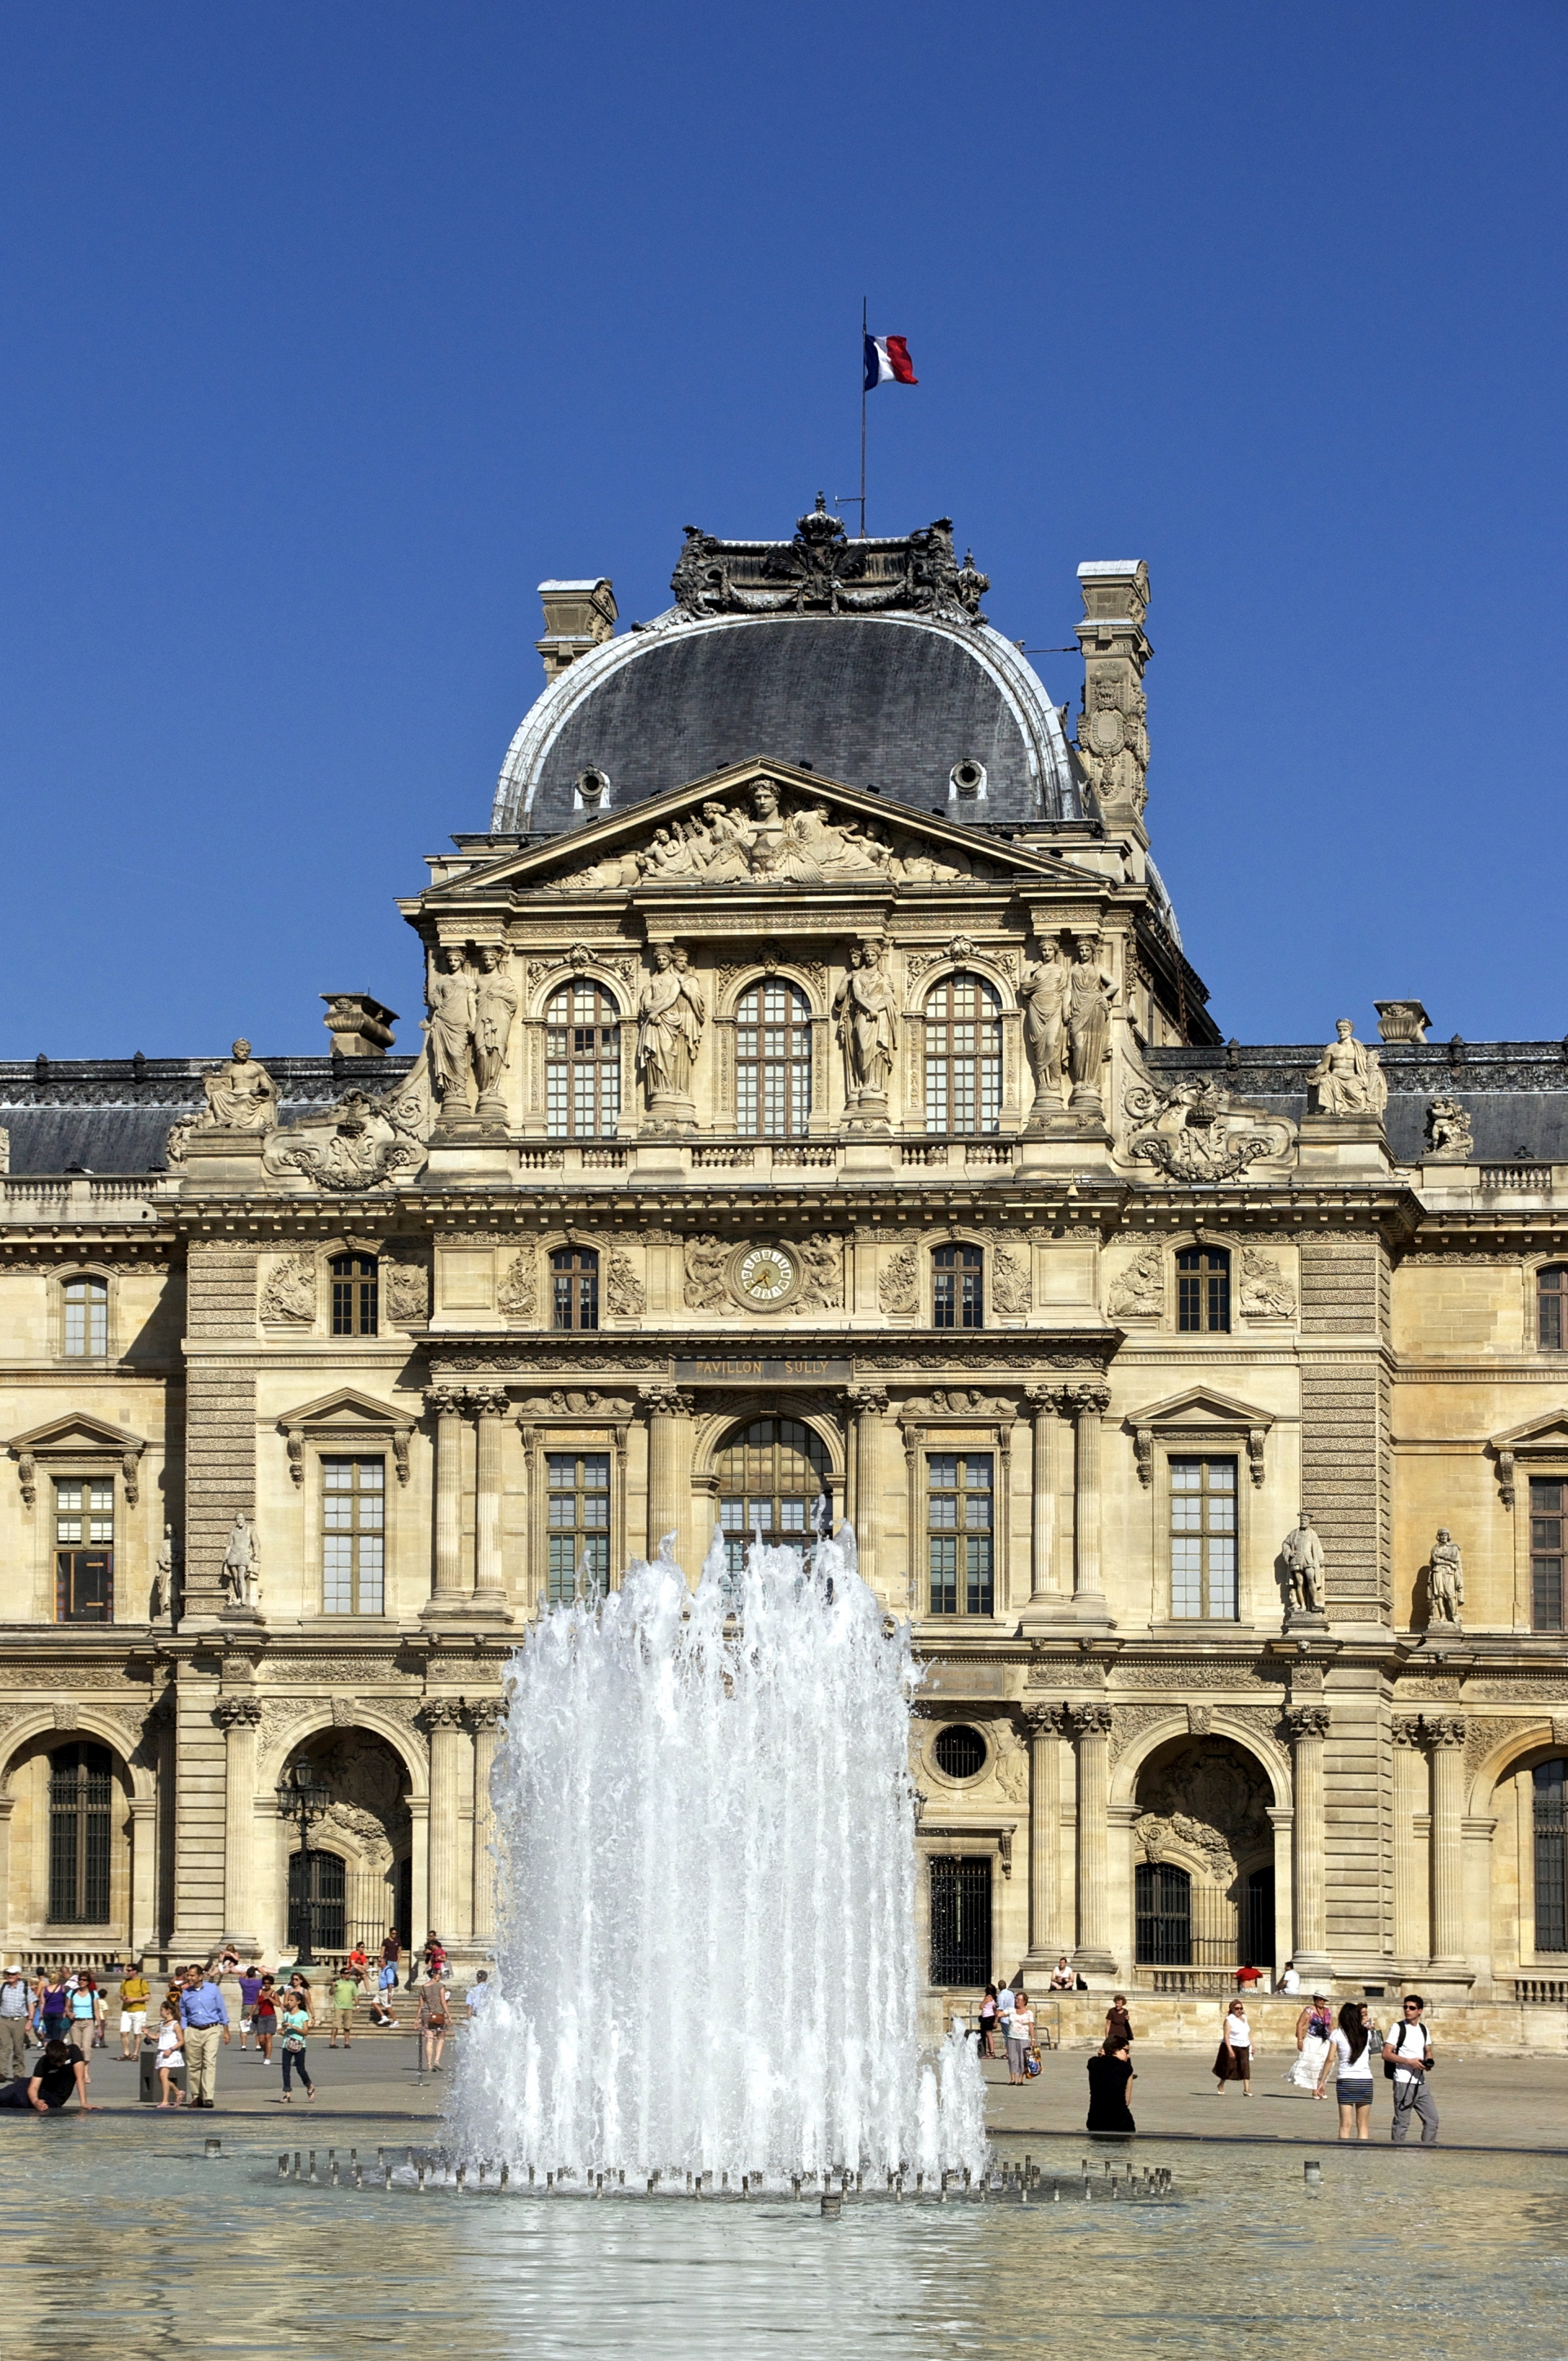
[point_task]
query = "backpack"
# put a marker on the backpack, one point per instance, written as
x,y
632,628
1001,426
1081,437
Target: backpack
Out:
x,y
1389,2066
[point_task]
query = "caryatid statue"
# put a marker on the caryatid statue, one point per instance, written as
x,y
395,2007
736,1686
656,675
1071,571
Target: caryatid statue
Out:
x,y
241,1096
1089,994
1044,992
495,1012
450,1025
1446,1580
1303,1555
866,1008
671,1015
1348,1077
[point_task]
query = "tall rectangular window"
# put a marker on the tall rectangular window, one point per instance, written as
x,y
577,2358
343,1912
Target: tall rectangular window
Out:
x,y
355,1289
1550,1293
81,1800
958,1528
579,1486
84,1549
1202,1290
353,1532
1546,1520
1551,1856
1203,1538
86,1304
957,1298
960,1920
575,1288
772,1061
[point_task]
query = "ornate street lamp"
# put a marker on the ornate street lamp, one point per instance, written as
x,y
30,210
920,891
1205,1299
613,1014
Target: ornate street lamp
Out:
x,y
301,1798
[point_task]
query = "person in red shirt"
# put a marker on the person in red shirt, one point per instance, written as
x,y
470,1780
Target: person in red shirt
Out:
x,y
1248,1975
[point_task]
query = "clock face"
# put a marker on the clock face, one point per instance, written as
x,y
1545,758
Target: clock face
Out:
x,y
766,1274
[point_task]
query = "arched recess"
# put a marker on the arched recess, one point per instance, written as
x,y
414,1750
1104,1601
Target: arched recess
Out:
x,y
1214,1801
1501,1812
376,1827
981,963
279,1744
1273,1757
588,970
746,979
24,1829
716,1433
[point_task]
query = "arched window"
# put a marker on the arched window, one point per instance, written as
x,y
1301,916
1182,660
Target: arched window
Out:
x,y
772,1061
1551,1784
1551,1296
355,1292
1164,1914
81,1796
771,1474
958,1291
582,1062
86,1317
574,1287
1203,1290
963,1056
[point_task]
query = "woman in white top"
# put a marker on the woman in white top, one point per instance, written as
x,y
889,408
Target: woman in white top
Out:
x,y
1233,2059
1020,2034
1351,2050
171,2056
1313,2027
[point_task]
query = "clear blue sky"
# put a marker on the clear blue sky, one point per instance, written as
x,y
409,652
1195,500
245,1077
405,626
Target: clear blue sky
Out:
x,y
331,330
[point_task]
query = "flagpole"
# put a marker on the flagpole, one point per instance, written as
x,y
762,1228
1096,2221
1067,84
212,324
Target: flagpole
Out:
x,y
863,418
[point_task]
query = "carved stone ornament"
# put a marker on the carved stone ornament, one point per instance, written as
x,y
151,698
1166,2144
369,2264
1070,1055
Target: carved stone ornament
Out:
x,y
237,1713
1199,1720
1200,1131
898,1281
1305,1722
517,1296
405,1292
625,1294
1090,1720
1138,1293
761,837
1264,1292
821,1263
589,1405
1348,1078
289,1293
822,571
1449,1140
958,1401
1012,1291
706,1285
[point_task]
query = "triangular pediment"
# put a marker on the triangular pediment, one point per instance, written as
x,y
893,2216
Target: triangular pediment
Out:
x,y
760,824
76,1432
1548,1433
347,1409
1200,1406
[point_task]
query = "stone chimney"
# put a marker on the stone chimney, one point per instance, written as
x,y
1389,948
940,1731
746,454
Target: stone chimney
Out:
x,y
578,616
1112,742
360,1026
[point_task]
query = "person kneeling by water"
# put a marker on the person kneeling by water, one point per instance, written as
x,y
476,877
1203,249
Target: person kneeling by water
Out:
x,y
61,2070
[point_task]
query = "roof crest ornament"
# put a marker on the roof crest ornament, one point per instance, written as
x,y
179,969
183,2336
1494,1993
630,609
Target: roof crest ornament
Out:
x,y
823,571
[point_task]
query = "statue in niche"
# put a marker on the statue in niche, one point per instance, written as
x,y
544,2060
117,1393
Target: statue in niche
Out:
x,y
495,1011
1302,1552
450,1024
165,1575
1089,994
241,1096
241,1568
1044,992
1449,1140
867,1014
1445,1579
1348,1077
671,1015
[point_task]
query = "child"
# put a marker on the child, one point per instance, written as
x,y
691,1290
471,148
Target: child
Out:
x,y
295,2019
170,2055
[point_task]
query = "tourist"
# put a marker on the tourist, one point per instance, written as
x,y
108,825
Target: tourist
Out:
x,y
434,1954
1109,2077
171,2056
1233,2059
433,2021
358,1964
1118,2023
1020,2039
135,1994
15,2008
204,2015
297,2020
1247,1977
249,1986
1350,2050
266,2017
86,2009
987,2021
1313,2027
391,1953
1408,2051
345,1992
1004,2015
1062,1977
1290,1981
60,2070
478,1993
53,2011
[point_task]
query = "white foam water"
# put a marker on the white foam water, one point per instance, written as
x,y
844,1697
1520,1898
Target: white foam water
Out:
x,y
706,1928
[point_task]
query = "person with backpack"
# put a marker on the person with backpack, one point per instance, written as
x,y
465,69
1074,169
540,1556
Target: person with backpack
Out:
x,y
1407,2061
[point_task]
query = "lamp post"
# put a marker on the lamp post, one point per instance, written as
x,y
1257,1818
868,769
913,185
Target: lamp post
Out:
x,y
300,1799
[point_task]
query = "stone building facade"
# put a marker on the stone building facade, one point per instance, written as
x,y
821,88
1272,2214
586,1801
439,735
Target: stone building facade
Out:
x,y
816,1098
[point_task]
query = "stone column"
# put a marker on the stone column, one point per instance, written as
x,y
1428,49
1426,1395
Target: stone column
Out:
x,y
669,1465
490,1405
1411,1921
1445,1735
444,1719
1091,1726
237,1718
869,1406
1043,1403
1308,1726
1087,1402
7,1806
485,1716
1045,1724
446,1402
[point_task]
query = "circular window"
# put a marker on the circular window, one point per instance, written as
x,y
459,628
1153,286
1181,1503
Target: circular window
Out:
x,y
961,1751
968,781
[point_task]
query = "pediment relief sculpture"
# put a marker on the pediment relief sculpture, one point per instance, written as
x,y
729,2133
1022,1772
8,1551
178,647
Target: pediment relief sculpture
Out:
x,y
761,837
1201,1131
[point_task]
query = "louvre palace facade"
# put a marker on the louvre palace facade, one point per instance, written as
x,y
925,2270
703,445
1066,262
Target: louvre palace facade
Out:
x,y
814,1097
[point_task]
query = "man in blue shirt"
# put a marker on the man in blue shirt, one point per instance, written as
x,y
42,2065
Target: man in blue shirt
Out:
x,y
204,2017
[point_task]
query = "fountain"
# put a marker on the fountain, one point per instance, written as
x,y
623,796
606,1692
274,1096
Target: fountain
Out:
x,y
706,1935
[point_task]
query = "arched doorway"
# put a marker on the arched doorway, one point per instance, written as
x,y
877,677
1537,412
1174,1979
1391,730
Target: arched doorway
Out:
x,y
1205,1859
772,1473
74,1878
358,1880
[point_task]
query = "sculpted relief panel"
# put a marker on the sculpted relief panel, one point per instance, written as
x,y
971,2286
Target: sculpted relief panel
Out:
x,y
757,837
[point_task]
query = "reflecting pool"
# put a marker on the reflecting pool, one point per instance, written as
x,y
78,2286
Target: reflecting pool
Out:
x,y
122,2241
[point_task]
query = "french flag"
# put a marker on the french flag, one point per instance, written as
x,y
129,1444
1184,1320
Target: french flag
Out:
x,y
888,362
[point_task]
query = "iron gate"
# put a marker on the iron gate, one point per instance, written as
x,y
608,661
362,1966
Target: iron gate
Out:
x,y
960,1919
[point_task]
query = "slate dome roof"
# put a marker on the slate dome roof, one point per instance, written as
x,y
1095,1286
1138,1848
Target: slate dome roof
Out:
x,y
872,666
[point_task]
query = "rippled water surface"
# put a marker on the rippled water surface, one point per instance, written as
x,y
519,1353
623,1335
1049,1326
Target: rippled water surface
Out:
x,y
119,2241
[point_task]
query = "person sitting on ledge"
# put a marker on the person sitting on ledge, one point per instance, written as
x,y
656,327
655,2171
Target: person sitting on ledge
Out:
x,y
59,2071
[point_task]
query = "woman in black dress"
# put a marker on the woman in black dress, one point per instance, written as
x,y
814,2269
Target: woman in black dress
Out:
x,y
1109,2077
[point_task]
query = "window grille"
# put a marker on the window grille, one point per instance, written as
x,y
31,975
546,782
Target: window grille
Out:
x,y
582,1062
960,1919
963,1056
772,1062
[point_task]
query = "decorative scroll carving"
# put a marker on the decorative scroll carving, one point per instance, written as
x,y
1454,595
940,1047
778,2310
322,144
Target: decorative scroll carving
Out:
x,y
624,1292
1200,1131
517,1296
578,1405
958,1401
372,1141
898,1281
290,1289
822,571
1264,1291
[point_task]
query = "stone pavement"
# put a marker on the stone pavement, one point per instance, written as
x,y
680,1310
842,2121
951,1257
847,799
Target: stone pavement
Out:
x,y
1516,2103
377,2075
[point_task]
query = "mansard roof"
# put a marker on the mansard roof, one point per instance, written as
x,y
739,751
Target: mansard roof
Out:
x,y
868,661
113,1114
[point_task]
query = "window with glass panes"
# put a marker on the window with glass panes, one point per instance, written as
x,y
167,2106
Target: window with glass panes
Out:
x,y
963,1056
86,1316
1203,1538
957,1288
84,1549
1551,1299
772,1473
1546,1527
575,1288
579,1486
582,1062
772,1061
959,1525
81,1800
355,1292
1202,1290
1549,1782
354,1536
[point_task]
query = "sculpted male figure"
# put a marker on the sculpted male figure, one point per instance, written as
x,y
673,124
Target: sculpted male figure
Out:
x,y
450,1022
1089,994
241,1096
1446,1580
240,1570
670,1017
1044,994
495,1007
1348,1076
867,1014
1303,1555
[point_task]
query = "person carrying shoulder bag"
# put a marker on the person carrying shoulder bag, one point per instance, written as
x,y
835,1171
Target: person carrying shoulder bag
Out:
x,y
1407,2061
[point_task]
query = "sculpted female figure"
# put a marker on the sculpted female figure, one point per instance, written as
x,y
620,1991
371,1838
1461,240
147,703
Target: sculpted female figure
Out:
x,y
669,1018
867,1012
450,1022
1089,996
1044,994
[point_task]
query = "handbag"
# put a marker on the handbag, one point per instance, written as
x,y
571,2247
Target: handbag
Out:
x,y
1031,2060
